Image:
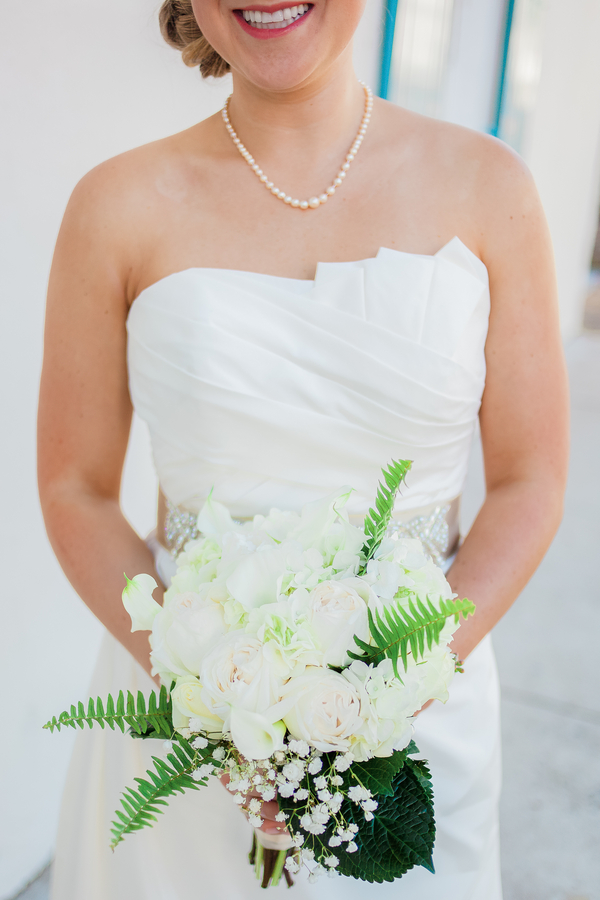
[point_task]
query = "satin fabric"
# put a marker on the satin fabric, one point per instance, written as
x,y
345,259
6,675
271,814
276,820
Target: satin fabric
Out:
x,y
276,391
273,390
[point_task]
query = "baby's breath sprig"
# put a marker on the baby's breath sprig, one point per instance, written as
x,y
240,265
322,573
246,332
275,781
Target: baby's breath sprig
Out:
x,y
310,786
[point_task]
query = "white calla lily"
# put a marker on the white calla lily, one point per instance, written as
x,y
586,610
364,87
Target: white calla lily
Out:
x,y
214,519
139,602
255,736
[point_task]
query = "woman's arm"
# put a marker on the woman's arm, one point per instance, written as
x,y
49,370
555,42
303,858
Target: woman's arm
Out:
x,y
524,413
85,410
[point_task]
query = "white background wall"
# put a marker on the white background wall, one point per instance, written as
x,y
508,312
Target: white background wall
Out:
x,y
80,81
562,145
470,83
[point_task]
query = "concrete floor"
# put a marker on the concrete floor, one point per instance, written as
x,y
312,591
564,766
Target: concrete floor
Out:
x,y
547,649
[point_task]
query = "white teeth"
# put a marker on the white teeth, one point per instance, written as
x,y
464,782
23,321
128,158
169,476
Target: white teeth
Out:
x,y
280,18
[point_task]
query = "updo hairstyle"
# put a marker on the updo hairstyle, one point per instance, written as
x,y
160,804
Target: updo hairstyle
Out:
x,y
179,28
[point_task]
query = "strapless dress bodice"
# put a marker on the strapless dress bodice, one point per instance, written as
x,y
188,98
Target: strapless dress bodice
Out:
x,y
274,391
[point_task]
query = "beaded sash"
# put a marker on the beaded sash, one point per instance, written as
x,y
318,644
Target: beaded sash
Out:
x,y
435,526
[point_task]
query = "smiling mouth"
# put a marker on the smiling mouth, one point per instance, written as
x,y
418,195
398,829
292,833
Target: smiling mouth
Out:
x,y
279,18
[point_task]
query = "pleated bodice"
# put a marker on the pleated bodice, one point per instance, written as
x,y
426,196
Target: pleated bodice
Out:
x,y
275,391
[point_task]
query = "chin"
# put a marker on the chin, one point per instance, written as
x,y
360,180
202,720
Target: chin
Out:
x,y
279,76
281,53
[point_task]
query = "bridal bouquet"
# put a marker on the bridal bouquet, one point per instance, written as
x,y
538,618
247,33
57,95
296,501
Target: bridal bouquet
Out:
x,y
293,651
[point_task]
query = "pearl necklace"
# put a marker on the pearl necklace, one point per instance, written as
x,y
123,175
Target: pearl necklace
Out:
x,y
314,202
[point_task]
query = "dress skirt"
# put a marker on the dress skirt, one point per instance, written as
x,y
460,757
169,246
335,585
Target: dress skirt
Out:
x,y
198,849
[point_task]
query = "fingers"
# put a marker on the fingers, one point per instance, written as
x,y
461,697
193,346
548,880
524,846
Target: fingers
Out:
x,y
269,809
268,812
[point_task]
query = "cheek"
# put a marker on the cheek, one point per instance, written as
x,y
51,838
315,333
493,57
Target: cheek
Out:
x,y
211,19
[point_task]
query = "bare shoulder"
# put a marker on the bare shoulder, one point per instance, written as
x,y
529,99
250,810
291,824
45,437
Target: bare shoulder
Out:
x,y
484,187
451,148
123,183
117,209
478,180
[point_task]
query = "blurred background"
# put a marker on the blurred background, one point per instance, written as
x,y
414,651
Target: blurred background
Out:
x,y
83,80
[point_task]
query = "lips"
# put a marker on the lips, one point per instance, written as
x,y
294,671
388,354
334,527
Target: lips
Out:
x,y
264,22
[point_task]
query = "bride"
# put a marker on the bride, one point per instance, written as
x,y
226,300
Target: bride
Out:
x,y
287,318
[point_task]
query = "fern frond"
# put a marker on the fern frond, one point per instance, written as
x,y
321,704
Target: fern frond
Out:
x,y
398,630
156,717
169,777
377,520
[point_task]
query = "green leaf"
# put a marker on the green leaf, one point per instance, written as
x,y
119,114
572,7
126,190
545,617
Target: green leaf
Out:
x,y
401,834
153,720
398,630
377,774
377,520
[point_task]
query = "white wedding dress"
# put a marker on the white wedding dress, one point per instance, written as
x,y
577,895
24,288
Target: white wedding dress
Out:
x,y
276,391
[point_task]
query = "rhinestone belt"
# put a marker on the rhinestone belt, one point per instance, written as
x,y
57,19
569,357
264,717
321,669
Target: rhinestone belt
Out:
x,y
436,527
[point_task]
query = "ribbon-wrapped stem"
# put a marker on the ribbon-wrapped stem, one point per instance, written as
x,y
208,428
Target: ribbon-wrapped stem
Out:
x,y
268,856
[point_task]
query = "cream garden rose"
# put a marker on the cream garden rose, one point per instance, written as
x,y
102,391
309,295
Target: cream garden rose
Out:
x,y
236,674
324,709
335,611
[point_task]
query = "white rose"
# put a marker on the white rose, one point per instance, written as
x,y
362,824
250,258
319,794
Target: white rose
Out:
x,y
184,633
187,701
335,612
139,602
324,709
236,673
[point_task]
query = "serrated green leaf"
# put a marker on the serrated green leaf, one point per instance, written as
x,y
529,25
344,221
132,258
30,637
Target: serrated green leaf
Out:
x,y
377,774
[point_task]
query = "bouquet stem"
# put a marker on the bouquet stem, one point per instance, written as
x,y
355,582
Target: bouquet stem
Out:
x,y
268,856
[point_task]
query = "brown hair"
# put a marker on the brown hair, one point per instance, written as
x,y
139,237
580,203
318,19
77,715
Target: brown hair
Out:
x,y
180,29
